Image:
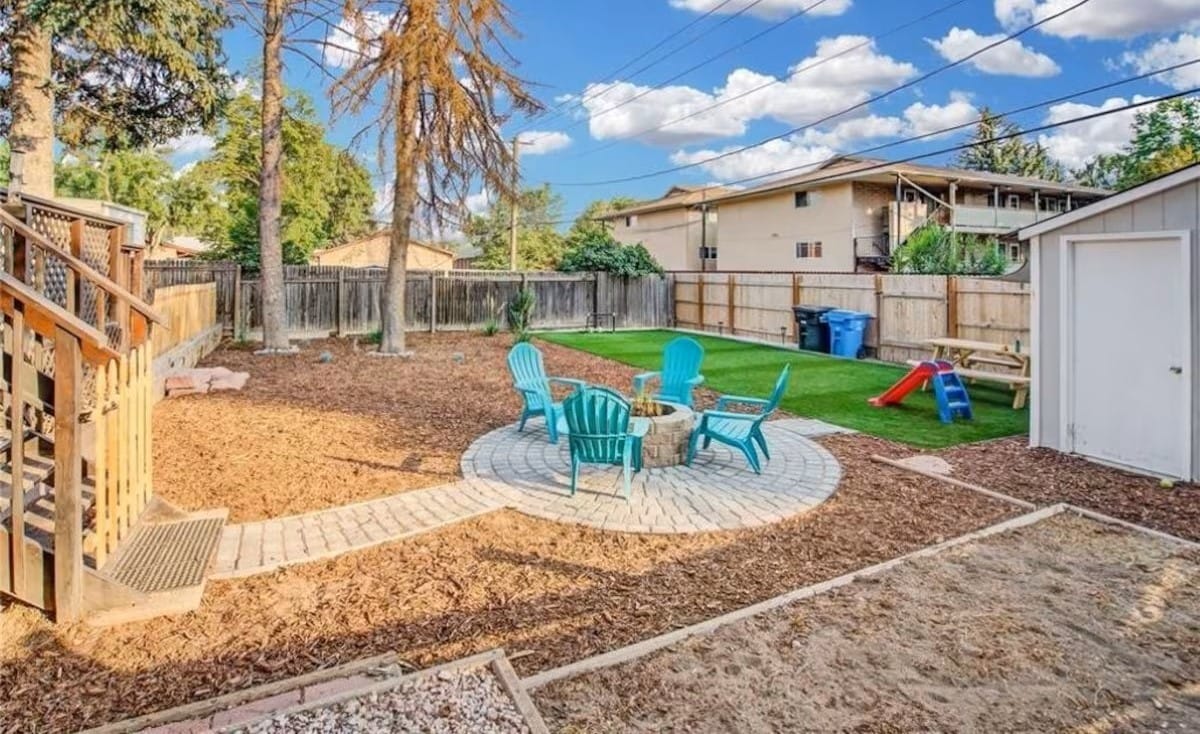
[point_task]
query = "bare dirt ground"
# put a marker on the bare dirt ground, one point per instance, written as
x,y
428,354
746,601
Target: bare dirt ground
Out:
x,y
1044,477
306,435
548,593
1065,625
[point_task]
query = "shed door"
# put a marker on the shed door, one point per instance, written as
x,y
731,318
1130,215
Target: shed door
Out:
x,y
1129,379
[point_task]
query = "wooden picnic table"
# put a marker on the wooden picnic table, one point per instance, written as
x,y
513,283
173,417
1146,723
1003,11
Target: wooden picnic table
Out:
x,y
1012,366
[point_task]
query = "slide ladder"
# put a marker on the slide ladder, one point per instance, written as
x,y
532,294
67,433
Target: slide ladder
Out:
x,y
948,389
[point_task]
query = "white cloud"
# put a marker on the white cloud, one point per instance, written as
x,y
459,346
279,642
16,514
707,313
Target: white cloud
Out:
x,y
192,144
537,142
924,118
817,86
766,159
1166,52
348,40
480,202
814,146
871,127
183,170
1100,18
764,8
1075,144
1012,57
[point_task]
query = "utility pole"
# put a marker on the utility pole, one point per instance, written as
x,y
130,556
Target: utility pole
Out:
x,y
516,198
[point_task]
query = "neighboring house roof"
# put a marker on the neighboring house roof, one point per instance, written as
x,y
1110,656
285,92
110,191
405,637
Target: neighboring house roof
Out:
x,y
188,244
468,252
676,196
375,236
1149,188
850,168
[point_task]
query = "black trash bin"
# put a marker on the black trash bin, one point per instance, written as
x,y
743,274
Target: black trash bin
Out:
x,y
812,333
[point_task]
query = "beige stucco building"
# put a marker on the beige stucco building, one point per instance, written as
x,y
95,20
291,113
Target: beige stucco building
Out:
x,y
846,216
372,251
679,229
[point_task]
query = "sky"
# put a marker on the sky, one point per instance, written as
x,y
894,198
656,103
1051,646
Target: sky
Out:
x,y
614,111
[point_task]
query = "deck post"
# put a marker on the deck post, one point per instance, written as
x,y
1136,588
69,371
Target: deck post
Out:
x,y
68,504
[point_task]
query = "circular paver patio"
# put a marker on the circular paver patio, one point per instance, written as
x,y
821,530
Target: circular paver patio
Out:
x,y
718,492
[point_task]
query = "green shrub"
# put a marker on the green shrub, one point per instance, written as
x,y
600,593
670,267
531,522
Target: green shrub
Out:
x,y
520,313
933,250
491,327
374,337
601,253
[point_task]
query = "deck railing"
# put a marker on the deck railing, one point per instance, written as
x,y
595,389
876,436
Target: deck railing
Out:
x,y
77,386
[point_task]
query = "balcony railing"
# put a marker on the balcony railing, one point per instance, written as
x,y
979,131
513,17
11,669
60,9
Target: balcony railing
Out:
x,y
996,220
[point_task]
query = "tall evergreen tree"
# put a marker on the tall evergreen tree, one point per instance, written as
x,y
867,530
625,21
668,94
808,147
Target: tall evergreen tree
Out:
x,y
1012,155
109,73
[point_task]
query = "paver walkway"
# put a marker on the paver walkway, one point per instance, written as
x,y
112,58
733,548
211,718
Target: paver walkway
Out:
x,y
524,472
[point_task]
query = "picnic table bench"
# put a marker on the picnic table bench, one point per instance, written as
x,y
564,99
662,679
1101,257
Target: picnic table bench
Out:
x,y
965,354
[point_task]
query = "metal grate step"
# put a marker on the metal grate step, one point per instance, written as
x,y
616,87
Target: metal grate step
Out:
x,y
167,556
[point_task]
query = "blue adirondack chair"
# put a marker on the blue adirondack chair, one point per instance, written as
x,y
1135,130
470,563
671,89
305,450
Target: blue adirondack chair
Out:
x,y
742,431
679,374
530,380
600,431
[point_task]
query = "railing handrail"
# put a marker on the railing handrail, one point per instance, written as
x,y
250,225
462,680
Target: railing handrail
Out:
x,y
58,207
45,316
98,279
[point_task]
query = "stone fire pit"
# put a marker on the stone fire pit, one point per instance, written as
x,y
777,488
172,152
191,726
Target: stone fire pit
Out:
x,y
666,442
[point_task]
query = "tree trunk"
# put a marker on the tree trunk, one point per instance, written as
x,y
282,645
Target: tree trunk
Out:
x,y
404,196
32,104
270,206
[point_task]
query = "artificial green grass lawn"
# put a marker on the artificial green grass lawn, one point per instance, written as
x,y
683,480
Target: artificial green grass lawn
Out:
x,y
831,389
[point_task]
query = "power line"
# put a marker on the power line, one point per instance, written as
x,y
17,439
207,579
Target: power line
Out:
x,y
786,76
773,27
851,108
965,125
560,109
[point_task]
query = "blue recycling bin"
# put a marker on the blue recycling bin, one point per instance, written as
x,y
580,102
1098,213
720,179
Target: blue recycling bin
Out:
x,y
846,331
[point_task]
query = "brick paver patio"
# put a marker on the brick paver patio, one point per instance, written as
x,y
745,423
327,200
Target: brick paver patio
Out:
x,y
522,471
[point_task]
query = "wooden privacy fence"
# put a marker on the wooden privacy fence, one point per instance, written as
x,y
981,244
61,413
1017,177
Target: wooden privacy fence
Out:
x,y
320,300
189,310
226,275
907,309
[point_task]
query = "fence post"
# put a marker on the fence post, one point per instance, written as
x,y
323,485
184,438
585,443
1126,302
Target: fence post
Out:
x,y
951,306
433,302
731,285
341,301
236,316
700,299
878,316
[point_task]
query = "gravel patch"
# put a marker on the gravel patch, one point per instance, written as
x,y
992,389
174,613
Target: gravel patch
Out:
x,y
448,702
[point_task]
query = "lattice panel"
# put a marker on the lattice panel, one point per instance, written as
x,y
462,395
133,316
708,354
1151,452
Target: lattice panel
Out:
x,y
56,227
95,247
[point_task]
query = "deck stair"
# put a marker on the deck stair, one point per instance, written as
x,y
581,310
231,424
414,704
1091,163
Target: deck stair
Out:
x,y
81,534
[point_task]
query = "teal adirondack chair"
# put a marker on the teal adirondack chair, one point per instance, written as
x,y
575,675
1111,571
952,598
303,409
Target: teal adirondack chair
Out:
x,y
679,374
600,431
530,380
742,431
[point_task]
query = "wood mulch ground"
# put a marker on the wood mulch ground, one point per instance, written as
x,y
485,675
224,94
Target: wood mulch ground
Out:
x,y
1045,477
306,435
549,593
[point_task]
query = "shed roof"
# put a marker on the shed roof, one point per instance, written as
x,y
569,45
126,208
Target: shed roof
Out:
x,y
1149,188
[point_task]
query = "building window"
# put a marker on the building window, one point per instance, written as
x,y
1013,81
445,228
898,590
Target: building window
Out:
x,y
1014,252
1012,201
808,249
1050,204
708,253
801,199
631,221
910,196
